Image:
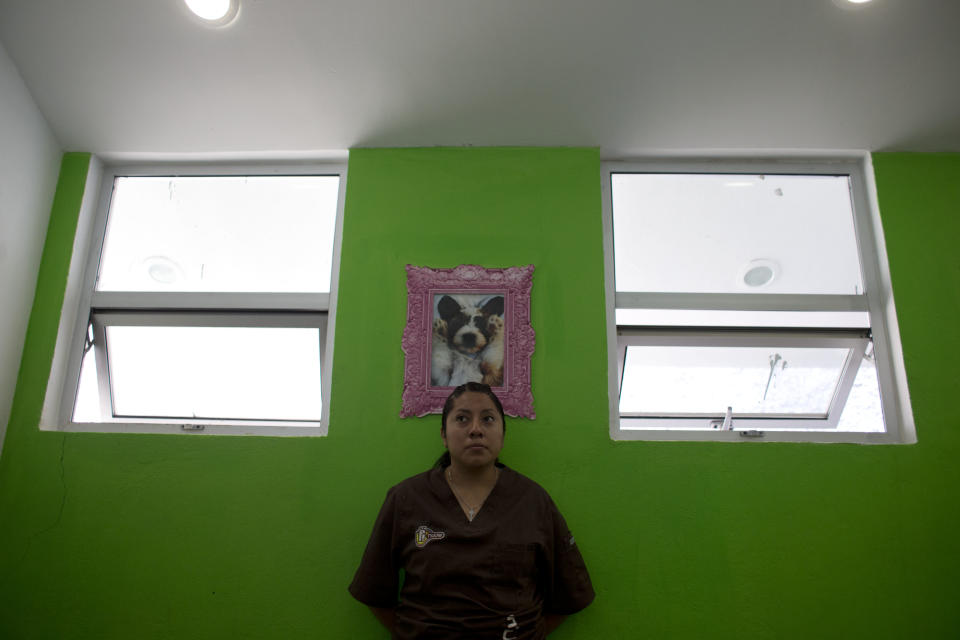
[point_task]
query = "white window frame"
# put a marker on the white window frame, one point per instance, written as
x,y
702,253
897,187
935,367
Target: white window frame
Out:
x,y
84,305
877,300
854,340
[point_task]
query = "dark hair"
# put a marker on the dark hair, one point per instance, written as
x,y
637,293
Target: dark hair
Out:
x,y
475,387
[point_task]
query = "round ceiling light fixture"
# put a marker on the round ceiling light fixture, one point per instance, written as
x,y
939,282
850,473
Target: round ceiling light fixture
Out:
x,y
216,13
759,273
852,5
163,270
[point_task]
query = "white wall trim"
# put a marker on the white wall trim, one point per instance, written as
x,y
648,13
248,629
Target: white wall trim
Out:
x,y
898,414
72,295
84,262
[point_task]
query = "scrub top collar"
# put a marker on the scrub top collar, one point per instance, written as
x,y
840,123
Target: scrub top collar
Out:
x,y
443,492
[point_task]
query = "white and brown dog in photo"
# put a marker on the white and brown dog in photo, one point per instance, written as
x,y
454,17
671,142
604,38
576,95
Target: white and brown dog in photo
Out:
x,y
467,342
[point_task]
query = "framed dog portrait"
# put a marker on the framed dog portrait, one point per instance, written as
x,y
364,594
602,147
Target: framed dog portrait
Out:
x,y
467,324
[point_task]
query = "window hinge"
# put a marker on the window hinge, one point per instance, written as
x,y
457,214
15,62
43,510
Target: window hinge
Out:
x,y
192,427
751,433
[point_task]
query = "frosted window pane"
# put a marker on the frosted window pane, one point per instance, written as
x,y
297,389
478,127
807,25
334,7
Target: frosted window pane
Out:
x,y
706,380
701,233
217,233
862,411
252,373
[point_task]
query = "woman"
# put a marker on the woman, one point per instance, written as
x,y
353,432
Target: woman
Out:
x,y
484,551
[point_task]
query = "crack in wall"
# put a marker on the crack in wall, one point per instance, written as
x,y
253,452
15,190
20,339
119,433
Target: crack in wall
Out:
x,y
63,503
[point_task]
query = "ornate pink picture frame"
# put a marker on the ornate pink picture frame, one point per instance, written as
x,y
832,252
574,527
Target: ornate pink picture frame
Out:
x,y
465,324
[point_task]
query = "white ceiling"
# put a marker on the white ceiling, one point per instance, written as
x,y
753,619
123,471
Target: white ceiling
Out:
x,y
629,76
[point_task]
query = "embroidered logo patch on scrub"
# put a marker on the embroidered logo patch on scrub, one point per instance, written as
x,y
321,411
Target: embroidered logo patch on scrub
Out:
x,y
425,535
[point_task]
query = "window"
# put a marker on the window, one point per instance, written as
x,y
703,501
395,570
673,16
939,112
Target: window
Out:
x,y
750,300
207,302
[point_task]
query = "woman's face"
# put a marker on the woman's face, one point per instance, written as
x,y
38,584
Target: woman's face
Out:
x,y
474,431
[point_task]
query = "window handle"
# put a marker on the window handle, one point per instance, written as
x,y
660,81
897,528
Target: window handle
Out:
x,y
728,420
726,424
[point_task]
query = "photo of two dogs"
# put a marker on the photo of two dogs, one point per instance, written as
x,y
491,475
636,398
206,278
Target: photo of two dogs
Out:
x,y
468,337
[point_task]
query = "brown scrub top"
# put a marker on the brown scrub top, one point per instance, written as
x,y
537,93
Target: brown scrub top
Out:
x,y
495,577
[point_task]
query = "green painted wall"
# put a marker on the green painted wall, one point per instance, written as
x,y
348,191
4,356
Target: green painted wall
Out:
x,y
109,536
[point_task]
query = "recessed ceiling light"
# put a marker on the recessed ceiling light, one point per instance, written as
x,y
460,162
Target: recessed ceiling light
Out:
x,y
163,270
214,12
759,273
852,5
